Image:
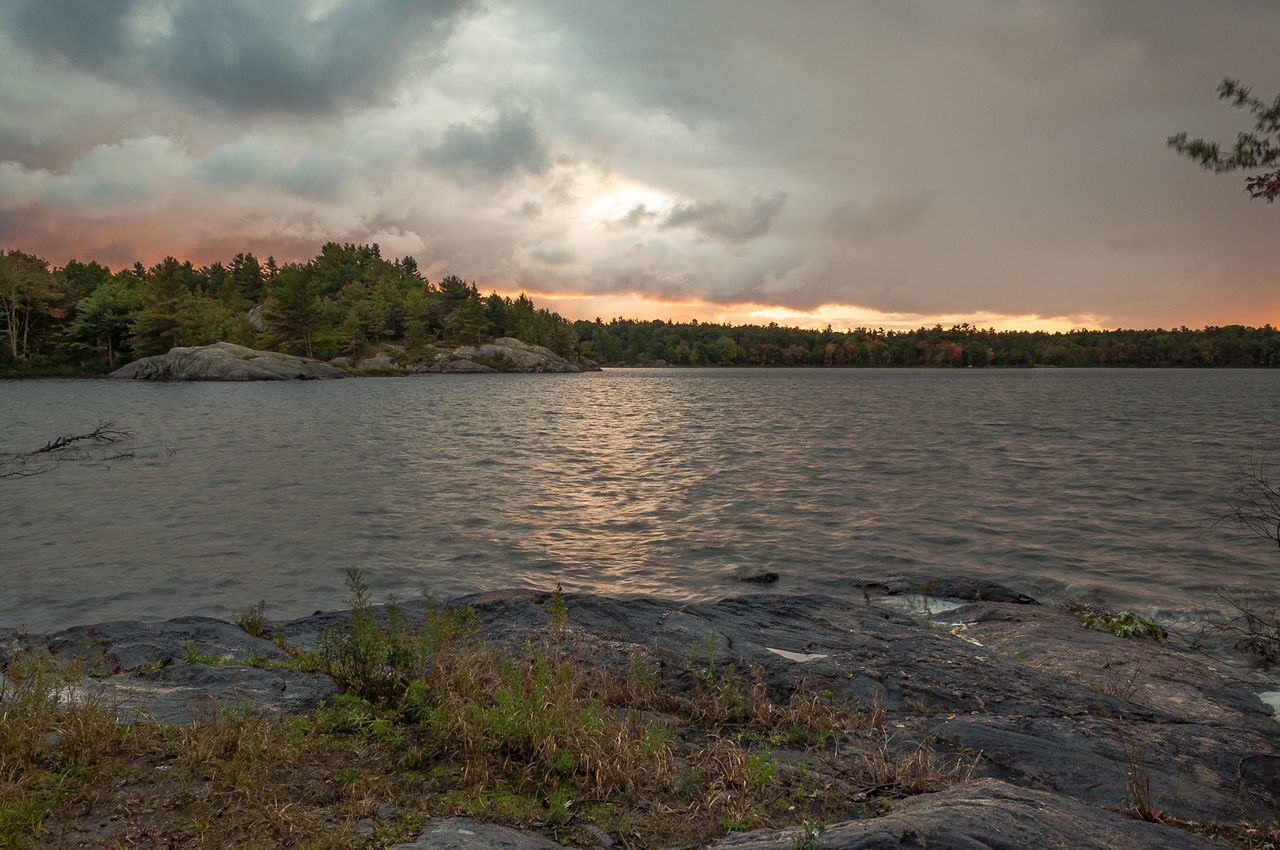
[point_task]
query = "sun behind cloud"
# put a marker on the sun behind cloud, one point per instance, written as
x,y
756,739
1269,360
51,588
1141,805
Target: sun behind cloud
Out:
x,y
615,201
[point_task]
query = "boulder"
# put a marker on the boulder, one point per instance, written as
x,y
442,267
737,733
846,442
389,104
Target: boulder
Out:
x,y
380,362
225,361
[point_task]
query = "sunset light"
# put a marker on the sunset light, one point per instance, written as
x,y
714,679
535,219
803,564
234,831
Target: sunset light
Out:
x,y
577,306
493,423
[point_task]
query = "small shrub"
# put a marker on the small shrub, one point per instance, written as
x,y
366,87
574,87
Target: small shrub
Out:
x,y
1138,788
1116,684
1125,624
558,613
761,769
253,620
361,653
1255,628
809,836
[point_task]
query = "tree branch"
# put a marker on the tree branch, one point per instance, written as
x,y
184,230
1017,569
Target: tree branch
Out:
x,y
106,432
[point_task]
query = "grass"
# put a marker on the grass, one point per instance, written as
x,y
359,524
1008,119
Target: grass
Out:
x,y
435,720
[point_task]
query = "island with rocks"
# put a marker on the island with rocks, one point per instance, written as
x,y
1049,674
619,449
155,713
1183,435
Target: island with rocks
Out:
x,y
225,361
957,715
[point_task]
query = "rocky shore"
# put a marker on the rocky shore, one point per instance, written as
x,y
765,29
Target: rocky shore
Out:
x,y
225,361
1059,720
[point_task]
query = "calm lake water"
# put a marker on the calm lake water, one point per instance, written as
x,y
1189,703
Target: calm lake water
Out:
x,y
678,483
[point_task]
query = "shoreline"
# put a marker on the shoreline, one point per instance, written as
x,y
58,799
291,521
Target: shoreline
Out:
x,y
1023,692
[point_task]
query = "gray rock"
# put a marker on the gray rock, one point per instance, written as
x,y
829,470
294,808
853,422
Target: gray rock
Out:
x,y
985,813
466,834
107,648
465,366
1054,716
181,694
142,669
254,316
1024,685
224,361
505,354
380,362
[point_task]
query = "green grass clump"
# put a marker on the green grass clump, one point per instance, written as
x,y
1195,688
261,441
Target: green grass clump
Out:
x,y
253,619
1125,624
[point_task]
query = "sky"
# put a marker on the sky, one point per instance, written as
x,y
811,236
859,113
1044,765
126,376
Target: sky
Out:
x,y
879,164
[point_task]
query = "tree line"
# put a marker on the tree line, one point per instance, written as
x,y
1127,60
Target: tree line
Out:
x,y
84,318
624,341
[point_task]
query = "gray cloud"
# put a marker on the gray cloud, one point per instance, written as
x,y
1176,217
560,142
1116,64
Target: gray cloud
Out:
x,y
495,150
243,56
145,127
882,218
636,216
722,220
552,255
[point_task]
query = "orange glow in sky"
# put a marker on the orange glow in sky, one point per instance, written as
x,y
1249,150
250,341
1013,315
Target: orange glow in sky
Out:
x,y
840,317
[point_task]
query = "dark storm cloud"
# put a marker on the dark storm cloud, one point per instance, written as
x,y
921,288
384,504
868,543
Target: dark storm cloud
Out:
x,y
90,34
727,222
243,56
494,150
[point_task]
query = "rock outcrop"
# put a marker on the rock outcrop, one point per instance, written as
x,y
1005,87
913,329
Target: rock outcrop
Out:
x,y
225,361
1055,716
1049,704
505,354
174,672
984,813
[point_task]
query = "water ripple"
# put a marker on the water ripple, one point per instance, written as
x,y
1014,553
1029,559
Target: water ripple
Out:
x,y
632,481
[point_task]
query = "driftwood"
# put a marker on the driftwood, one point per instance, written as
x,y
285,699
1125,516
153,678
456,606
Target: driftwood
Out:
x,y
105,433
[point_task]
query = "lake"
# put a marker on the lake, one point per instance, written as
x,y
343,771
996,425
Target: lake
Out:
x,y
1097,483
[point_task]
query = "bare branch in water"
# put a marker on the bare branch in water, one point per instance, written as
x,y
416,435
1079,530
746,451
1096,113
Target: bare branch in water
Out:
x,y
54,451
106,432
20,468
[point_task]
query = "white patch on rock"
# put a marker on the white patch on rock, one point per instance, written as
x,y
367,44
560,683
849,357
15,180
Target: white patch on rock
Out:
x,y
1272,698
913,603
796,656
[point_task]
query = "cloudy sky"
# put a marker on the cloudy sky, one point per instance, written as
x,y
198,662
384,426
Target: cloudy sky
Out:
x,y
859,163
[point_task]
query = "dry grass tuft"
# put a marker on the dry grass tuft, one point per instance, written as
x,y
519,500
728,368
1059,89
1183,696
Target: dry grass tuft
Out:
x,y
434,720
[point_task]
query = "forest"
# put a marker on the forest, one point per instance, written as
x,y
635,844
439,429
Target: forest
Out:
x,y
85,319
623,341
